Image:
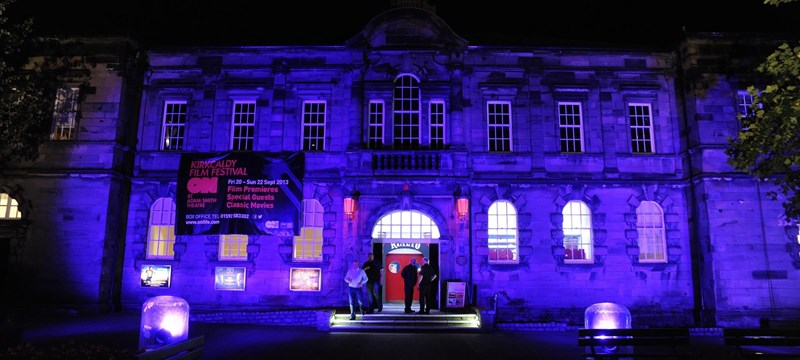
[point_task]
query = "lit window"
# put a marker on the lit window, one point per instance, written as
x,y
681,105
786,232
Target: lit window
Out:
x,y
641,128
498,114
244,124
9,209
174,125
502,233
375,130
233,247
308,245
650,227
65,114
570,127
577,228
161,237
405,115
405,225
436,117
314,125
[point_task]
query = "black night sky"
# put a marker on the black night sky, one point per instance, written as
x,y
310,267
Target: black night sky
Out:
x,y
497,22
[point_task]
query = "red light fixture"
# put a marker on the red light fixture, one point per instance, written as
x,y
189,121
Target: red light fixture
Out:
x,y
350,207
462,207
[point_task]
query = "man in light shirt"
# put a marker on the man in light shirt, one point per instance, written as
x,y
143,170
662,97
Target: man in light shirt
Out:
x,y
355,278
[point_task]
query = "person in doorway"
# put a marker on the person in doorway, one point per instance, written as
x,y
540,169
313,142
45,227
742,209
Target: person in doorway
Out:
x,y
427,297
410,277
355,278
374,271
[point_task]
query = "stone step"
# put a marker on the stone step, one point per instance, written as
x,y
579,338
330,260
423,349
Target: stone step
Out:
x,y
393,318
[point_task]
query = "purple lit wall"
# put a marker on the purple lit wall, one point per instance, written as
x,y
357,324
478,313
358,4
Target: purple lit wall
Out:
x,y
726,258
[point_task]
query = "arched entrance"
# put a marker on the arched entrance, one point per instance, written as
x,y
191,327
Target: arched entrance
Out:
x,y
398,237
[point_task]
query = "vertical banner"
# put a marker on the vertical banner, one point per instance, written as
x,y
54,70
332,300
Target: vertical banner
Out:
x,y
248,193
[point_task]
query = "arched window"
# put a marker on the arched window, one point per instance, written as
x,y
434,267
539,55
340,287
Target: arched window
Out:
x,y
161,235
503,247
9,209
405,225
233,247
650,227
577,227
308,245
406,110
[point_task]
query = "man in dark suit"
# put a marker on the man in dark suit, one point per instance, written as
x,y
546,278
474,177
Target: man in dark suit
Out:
x,y
410,278
427,298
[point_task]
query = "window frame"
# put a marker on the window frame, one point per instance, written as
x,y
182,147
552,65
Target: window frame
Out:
x,y
495,143
406,108
65,114
647,130
583,233
9,208
651,237
311,115
243,125
376,124
744,103
569,128
307,247
437,124
161,229
233,247
505,252
167,129
405,224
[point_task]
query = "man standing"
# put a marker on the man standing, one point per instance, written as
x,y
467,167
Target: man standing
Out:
x,y
409,275
374,272
427,298
355,279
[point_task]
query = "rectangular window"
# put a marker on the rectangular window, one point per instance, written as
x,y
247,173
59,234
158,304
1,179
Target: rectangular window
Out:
x,y
173,125
308,245
233,247
570,127
244,125
436,116
314,125
641,121
65,114
406,113
375,126
498,115
745,103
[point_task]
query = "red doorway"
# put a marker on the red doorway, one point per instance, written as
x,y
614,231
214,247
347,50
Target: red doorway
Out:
x,y
394,282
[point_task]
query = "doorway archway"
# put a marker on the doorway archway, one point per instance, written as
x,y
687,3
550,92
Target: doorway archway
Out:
x,y
399,236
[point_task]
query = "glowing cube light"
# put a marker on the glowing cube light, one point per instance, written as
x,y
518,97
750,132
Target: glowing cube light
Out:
x,y
165,320
607,315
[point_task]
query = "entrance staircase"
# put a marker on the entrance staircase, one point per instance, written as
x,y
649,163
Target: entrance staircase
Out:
x,y
394,319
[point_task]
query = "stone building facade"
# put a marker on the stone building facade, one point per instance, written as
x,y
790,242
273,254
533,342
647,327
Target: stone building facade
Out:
x,y
545,178
62,217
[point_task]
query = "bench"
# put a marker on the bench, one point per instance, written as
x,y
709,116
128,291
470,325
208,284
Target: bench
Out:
x,y
637,343
184,350
763,343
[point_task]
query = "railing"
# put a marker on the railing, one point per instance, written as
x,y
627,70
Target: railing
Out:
x,y
414,160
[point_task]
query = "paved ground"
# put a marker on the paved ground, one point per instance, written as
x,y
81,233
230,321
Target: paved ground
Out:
x,y
242,342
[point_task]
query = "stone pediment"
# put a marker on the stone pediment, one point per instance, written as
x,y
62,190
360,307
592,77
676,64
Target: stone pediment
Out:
x,y
407,28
